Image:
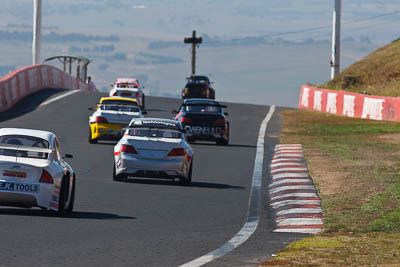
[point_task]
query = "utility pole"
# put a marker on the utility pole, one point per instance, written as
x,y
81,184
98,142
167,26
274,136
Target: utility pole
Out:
x,y
37,31
194,41
336,40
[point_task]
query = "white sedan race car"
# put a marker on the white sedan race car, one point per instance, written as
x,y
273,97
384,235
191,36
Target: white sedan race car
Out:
x,y
33,172
153,148
129,87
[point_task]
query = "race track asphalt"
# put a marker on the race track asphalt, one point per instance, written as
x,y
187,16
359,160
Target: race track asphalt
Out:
x,y
144,222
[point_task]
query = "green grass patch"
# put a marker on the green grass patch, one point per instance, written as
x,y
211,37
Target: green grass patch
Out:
x,y
362,214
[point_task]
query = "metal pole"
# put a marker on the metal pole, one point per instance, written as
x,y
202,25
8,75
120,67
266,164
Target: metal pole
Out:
x,y
336,39
37,31
194,53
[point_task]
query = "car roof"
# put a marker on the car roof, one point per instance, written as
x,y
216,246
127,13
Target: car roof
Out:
x,y
29,132
117,98
126,80
198,77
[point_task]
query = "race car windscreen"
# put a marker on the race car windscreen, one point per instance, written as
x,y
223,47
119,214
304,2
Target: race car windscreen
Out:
x,y
202,108
126,85
155,132
24,141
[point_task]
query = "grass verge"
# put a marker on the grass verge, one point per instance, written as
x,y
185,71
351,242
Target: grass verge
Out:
x,y
355,164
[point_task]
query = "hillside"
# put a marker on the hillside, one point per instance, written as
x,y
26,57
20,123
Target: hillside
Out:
x,y
376,74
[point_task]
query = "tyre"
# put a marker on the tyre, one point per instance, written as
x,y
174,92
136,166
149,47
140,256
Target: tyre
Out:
x,y
91,140
119,177
187,180
143,103
72,197
62,198
222,142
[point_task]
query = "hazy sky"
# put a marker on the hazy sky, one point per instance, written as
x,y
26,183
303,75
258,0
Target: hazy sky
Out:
x,y
268,74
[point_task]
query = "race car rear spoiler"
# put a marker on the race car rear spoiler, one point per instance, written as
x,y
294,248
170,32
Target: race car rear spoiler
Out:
x,y
204,104
25,148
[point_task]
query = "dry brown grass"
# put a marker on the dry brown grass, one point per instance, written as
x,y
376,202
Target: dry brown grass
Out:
x,y
376,74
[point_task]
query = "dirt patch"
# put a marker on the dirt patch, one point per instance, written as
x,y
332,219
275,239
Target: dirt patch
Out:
x,y
328,174
391,138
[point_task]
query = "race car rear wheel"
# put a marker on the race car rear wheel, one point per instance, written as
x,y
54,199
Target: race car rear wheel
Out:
x,y
143,103
62,198
118,177
187,180
91,140
72,197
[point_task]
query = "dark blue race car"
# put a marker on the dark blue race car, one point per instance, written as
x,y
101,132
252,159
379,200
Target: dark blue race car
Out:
x,y
204,120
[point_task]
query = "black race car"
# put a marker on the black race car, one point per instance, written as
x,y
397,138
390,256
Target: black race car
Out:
x,y
198,87
204,120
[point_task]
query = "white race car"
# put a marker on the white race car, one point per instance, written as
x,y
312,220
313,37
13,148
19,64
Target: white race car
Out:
x,y
33,172
129,87
153,148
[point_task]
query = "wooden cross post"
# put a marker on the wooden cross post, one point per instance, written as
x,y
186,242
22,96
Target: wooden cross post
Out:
x,y
194,41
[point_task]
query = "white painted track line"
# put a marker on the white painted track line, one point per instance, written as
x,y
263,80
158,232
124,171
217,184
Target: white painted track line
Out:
x,y
253,217
58,97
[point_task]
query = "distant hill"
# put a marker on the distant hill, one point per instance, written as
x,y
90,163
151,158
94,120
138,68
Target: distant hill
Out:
x,y
376,74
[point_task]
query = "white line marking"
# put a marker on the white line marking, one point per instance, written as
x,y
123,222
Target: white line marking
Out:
x,y
284,175
288,160
299,210
286,181
279,204
289,151
287,164
299,230
289,169
299,221
288,156
253,215
292,145
58,97
276,198
295,187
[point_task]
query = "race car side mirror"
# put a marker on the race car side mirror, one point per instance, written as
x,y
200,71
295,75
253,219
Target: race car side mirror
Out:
x,y
226,114
92,109
68,156
144,112
174,112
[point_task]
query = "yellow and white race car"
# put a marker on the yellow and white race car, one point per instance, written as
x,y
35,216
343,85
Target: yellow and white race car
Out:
x,y
110,116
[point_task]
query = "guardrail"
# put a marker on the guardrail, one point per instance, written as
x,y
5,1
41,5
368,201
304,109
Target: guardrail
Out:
x,y
348,104
22,82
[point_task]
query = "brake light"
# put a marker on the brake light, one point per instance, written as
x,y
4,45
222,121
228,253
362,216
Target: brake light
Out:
x,y
101,120
46,178
128,149
186,120
176,152
220,122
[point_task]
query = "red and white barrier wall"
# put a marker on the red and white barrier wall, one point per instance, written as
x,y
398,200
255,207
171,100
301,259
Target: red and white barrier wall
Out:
x,y
350,104
25,81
